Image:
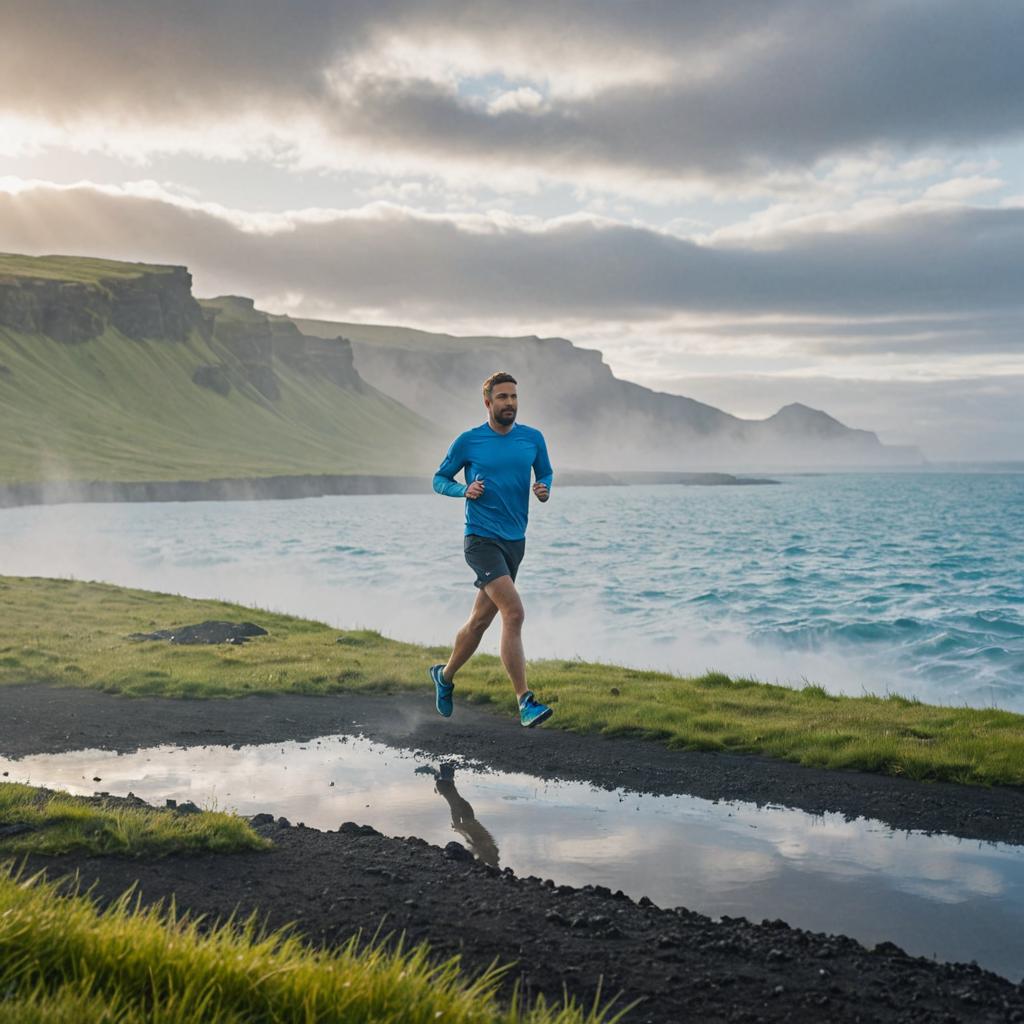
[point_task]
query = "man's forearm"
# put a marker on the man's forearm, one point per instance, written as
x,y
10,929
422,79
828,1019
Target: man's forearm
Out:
x,y
445,485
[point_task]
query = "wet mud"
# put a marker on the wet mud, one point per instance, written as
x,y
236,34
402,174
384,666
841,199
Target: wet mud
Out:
x,y
680,965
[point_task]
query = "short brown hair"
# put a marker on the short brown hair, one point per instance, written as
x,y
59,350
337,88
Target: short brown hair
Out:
x,y
498,377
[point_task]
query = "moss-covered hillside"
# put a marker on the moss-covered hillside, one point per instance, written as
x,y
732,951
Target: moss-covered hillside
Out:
x,y
113,371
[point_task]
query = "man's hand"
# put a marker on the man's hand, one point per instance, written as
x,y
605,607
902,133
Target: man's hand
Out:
x,y
475,489
542,492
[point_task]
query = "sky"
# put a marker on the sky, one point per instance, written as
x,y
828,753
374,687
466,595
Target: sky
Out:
x,y
750,203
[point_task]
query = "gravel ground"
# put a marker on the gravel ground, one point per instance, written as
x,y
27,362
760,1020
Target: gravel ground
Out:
x,y
680,965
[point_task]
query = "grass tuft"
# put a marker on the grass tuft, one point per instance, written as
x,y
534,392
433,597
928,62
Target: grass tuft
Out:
x,y
60,823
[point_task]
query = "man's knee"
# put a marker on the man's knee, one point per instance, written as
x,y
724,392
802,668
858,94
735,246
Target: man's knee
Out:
x,y
513,617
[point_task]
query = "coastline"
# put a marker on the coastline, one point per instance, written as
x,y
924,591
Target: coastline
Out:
x,y
66,492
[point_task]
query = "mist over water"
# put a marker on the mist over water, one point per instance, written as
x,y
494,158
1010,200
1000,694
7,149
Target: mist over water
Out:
x,y
908,583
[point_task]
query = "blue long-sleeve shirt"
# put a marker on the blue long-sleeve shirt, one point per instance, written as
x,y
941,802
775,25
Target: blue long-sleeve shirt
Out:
x,y
504,463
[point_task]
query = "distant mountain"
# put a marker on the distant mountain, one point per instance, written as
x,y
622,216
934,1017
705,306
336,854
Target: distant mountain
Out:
x,y
592,419
114,372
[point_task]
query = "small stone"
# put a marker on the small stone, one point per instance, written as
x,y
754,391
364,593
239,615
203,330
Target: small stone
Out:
x,y
456,851
888,949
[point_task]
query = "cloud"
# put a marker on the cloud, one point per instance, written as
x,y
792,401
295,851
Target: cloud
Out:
x,y
943,264
649,92
959,190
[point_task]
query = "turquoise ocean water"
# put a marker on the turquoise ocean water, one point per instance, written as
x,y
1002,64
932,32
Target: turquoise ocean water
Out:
x,y
897,582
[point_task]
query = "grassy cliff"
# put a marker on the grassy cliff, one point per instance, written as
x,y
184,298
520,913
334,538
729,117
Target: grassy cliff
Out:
x,y
113,371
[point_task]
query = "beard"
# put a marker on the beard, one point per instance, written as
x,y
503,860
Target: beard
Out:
x,y
506,416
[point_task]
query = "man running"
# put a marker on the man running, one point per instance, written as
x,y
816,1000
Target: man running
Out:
x,y
497,458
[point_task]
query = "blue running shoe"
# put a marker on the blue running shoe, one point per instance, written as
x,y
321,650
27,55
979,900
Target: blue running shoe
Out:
x,y
443,691
531,711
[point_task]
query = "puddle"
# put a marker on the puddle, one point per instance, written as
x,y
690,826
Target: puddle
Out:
x,y
936,896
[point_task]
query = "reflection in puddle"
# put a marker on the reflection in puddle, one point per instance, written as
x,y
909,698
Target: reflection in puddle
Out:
x,y
933,895
480,841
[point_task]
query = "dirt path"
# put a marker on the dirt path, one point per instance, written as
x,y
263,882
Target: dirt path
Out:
x,y
681,965
41,720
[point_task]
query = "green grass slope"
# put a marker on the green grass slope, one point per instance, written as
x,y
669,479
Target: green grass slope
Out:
x,y
79,269
116,409
123,409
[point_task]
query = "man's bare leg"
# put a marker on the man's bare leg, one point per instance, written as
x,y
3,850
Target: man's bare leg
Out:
x,y
467,640
504,596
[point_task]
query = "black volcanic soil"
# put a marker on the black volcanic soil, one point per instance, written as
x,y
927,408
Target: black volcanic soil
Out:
x,y
681,965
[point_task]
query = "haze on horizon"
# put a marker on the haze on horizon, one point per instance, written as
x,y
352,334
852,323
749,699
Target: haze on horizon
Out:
x,y
749,203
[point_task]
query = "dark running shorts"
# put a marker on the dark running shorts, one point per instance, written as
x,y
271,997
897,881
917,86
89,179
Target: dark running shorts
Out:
x,y
490,558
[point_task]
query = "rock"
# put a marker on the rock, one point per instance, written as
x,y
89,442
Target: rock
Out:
x,y
456,851
357,830
156,303
16,829
214,377
212,631
888,949
258,820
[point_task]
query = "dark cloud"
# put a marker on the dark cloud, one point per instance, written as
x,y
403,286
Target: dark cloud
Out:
x,y
781,84
930,265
